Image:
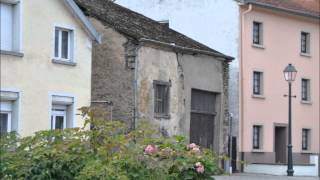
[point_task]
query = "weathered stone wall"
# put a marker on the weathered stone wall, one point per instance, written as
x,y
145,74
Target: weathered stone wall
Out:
x,y
156,64
112,79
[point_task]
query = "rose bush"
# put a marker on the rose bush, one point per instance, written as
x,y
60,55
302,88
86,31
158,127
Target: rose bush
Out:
x,y
107,151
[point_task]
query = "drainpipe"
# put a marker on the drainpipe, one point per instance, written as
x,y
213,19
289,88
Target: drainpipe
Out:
x,y
241,77
135,89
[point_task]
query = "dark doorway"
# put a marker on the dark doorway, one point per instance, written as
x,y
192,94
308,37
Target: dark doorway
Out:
x,y
280,143
202,118
234,154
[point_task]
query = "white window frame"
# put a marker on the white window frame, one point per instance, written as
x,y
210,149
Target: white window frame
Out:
x,y
71,43
12,96
64,100
16,48
9,120
58,111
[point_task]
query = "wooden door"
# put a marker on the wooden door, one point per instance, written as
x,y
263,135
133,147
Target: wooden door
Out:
x,y
202,118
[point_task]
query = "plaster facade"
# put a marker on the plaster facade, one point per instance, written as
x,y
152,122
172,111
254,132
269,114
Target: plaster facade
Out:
x,y
281,46
35,76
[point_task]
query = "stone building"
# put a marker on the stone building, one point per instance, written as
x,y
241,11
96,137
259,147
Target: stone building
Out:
x,y
151,72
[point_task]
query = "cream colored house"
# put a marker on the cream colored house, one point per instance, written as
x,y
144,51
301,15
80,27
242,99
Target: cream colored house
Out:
x,y
45,64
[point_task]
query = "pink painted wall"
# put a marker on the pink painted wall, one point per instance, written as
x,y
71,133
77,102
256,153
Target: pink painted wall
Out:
x,y
281,40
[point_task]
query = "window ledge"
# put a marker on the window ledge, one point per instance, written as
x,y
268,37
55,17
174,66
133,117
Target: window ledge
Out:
x,y
58,61
159,116
306,152
306,102
305,55
260,46
257,151
12,53
258,96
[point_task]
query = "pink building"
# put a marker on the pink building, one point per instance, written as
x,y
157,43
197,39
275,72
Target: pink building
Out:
x,y
275,33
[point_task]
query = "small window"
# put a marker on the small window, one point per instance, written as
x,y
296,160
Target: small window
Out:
x,y
62,112
257,132
305,90
305,43
257,83
5,122
257,33
58,119
63,44
161,99
305,139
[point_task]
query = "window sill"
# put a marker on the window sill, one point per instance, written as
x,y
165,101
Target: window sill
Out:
x,y
306,152
257,151
58,61
162,116
305,55
260,46
306,102
12,53
258,96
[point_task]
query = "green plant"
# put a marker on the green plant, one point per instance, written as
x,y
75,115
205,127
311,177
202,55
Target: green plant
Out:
x,y
107,151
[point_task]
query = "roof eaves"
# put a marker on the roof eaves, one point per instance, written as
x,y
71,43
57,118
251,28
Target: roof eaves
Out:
x,y
295,12
181,48
76,11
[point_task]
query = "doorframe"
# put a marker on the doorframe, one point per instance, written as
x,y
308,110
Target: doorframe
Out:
x,y
55,113
274,138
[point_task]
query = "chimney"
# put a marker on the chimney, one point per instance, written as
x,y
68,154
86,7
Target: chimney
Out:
x,y
164,23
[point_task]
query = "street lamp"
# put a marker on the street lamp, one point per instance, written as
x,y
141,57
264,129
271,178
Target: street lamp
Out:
x,y
290,73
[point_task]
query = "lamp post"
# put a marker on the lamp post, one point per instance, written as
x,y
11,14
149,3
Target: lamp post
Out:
x,y
290,73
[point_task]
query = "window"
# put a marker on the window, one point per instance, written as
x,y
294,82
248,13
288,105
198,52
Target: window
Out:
x,y
161,98
10,26
62,112
305,139
257,83
58,117
257,33
9,111
305,42
5,122
63,44
305,90
257,137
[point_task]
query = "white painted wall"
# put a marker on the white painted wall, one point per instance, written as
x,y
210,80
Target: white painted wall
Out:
x,y
214,23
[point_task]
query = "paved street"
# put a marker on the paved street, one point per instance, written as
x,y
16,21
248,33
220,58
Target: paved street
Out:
x,y
261,177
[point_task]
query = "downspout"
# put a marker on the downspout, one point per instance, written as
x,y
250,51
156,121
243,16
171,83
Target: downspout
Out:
x,y
241,78
135,88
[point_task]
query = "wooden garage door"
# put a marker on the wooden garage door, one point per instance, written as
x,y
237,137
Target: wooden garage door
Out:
x,y
202,118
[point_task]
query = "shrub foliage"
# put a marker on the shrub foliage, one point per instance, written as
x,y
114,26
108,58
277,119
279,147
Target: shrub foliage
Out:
x,y
107,151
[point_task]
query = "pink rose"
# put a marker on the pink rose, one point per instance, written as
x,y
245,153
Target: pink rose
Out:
x,y
195,150
191,146
150,149
199,167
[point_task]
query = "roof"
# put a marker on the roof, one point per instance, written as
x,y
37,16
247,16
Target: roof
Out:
x,y
310,8
78,14
140,27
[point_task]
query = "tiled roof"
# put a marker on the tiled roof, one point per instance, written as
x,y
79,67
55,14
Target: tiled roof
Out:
x,y
306,7
138,26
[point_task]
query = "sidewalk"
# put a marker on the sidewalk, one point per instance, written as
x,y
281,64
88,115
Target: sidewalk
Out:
x,y
244,176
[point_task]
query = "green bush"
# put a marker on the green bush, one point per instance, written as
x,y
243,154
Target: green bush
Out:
x,y
107,151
